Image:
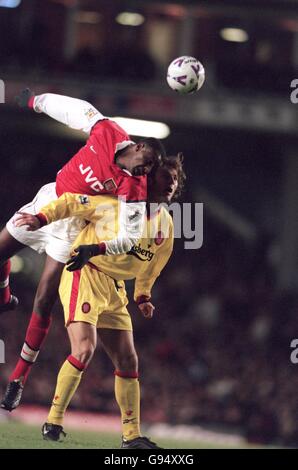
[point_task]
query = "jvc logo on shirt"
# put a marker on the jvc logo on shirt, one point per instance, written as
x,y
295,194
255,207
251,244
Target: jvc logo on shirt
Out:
x,y
89,178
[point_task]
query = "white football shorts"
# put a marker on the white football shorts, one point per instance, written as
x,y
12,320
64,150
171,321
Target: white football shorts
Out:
x,y
55,239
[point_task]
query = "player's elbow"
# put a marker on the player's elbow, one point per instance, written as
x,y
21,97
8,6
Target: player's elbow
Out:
x,y
126,243
129,242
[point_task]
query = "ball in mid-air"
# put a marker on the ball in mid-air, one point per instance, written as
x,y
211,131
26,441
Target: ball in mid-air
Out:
x,y
185,75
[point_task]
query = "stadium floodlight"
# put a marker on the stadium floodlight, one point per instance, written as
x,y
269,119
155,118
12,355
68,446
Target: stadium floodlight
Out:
x,y
17,264
128,18
142,128
10,3
234,34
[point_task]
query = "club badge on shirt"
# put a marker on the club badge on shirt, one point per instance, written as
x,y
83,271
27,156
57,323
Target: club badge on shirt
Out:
x,y
110,185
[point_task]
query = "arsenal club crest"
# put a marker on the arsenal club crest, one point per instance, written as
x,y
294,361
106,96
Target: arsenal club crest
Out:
x,y
110,185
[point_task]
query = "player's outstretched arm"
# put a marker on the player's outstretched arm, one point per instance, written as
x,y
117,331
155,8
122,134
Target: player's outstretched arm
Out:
x,y
67,205
75,113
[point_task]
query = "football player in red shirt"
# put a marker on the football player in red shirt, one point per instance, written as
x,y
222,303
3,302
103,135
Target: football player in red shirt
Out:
x,y
109,163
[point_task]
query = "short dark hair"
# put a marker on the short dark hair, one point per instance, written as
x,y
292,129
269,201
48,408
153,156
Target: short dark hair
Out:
x,y
176,162
156,146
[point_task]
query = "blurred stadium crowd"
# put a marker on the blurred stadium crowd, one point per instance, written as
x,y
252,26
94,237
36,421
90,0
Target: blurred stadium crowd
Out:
x,y
88,38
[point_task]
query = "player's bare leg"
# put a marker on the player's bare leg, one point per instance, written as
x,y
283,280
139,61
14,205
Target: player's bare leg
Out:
x,y
83,341
119,345
47,290
37,331
9,246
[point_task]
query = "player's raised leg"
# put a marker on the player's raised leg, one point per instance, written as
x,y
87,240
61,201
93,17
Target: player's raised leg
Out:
x,y
37,331
83,341
9,246
119,345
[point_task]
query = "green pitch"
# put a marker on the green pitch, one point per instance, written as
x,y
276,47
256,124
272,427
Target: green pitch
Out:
x,y
14,435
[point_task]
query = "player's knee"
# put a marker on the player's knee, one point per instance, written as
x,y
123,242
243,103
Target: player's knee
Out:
x,y
84,352
128,362
44,301
43,307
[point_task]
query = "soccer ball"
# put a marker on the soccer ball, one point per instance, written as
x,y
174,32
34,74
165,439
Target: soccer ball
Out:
x,y
185,75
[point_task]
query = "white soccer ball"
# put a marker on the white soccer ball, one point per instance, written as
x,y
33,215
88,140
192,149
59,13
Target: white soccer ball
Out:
x,y
185,75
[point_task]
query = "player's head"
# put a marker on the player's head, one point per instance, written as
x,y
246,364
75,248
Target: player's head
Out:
x,y
166,180
140,158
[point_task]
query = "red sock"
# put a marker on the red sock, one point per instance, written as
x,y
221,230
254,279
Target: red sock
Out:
x,y
4,282
36,333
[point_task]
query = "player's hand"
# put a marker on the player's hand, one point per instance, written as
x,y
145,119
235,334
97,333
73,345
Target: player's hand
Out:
x,y
82,256
24,97
22,218
147,309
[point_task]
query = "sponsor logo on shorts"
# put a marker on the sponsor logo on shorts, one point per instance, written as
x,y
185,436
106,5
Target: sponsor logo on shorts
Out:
x,y
110,185
159,238
86,307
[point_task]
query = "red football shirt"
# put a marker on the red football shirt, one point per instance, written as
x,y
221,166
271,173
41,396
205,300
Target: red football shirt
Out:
x,y
92,170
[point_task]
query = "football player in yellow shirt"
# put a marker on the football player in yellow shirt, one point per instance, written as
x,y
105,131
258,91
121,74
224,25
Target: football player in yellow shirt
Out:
x,y
92,291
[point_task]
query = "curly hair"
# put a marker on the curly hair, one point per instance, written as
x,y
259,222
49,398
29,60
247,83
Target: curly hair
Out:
x,y
176,162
